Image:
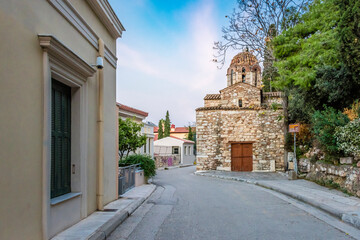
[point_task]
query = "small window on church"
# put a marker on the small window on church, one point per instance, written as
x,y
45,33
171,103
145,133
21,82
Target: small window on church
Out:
x,y
231,77
256,77
240,102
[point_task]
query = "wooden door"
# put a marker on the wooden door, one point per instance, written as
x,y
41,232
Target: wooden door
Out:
x,y
241,157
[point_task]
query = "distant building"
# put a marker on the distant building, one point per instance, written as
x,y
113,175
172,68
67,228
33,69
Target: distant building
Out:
x,y
237,130
148,129
179,132
176,146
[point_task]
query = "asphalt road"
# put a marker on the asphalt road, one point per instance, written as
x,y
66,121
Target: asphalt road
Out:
x,y
186,206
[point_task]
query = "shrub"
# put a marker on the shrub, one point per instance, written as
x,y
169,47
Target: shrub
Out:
x,y
324,124
146,163
348,137
354,111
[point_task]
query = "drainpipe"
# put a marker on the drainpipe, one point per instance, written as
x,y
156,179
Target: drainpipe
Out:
x,y
100,128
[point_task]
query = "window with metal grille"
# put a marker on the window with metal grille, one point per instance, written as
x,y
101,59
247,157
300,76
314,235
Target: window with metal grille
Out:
x,y
60,139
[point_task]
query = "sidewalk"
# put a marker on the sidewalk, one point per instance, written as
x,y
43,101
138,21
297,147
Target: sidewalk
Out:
x,y
100,224
334,202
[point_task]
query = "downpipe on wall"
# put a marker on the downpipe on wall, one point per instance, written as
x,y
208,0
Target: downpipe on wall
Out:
x,y
100,128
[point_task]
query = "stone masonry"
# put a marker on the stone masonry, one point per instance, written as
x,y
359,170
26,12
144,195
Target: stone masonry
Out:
x,y
240,114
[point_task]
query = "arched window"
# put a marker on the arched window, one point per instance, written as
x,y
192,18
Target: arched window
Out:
x,y
231,77
256,77
243,74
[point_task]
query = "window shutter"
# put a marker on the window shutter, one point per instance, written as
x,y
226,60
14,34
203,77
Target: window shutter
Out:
x,y
60,139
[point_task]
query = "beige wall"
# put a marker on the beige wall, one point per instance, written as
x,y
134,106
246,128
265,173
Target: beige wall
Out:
x,y
21,111
179,135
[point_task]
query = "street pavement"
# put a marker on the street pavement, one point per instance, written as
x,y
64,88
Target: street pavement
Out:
x,y
186,206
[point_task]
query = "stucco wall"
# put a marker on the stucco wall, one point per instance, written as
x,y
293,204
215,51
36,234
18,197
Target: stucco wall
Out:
x,y
188,157
216,129
21,113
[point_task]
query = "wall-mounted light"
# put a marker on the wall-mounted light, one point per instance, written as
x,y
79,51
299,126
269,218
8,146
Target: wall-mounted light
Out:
x,y
99,63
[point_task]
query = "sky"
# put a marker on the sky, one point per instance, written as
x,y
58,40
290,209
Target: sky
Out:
x,y
165,55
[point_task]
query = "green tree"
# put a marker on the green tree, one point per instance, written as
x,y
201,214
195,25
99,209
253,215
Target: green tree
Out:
x,y
312,67
309,45
349,35
161,129
130,137
190,135
167,125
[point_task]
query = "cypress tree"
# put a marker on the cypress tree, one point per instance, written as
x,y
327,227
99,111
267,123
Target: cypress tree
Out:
x,y
190,134
161,129
167,125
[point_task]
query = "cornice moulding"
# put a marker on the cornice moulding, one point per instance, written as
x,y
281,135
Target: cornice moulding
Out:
x,y
60,54
107,16
65,8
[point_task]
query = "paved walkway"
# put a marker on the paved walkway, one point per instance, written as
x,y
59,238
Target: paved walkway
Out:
x,y
185,206
336,203
100,224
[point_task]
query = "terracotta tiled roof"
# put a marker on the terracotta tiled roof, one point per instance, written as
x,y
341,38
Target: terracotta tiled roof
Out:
x,y
244,58
181,130
212,97
133,110
177,130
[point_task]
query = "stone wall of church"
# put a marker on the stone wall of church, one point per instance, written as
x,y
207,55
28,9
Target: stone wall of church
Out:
x,y
216,129
211,103
249,95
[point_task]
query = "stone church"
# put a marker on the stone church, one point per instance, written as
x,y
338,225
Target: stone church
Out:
x,y
241,128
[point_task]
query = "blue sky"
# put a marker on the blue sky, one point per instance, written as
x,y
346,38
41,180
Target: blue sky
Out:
x,y
164,56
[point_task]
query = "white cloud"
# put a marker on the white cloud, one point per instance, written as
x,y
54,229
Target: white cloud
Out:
x,y
129,58
176,75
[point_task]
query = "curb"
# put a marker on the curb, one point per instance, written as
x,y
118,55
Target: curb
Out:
x,y
175,167
105,230
350,219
